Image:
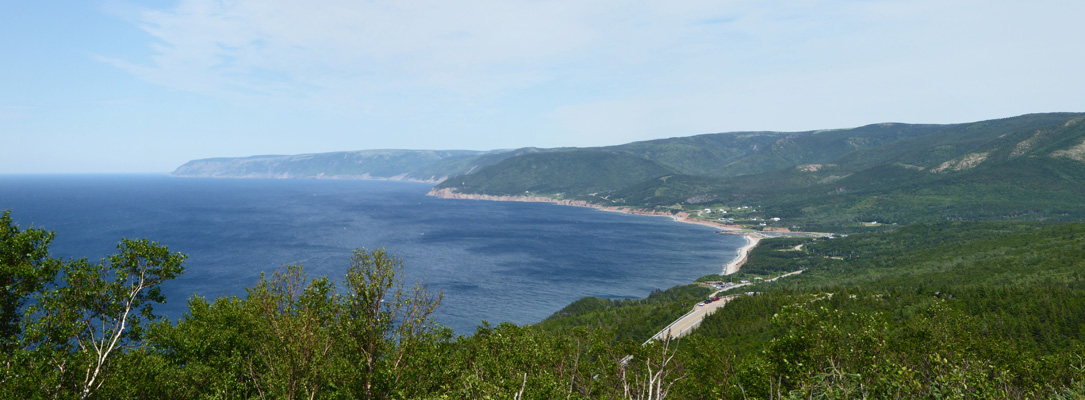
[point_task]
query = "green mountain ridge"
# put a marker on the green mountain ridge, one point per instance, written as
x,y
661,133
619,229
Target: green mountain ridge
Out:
x,y
1026,167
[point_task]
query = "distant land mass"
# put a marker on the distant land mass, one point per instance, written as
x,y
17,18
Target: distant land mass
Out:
x,y
411,165
1030,167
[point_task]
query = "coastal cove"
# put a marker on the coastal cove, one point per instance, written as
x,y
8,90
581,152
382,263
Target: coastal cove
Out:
x,y
495,261
752,238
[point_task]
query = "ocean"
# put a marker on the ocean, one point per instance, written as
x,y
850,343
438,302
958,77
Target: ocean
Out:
x,y
494,261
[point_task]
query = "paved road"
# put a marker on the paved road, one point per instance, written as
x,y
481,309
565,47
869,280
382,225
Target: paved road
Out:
x,y
692,319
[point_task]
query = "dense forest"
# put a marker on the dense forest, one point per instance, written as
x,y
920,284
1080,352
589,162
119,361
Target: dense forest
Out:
x,y
932,310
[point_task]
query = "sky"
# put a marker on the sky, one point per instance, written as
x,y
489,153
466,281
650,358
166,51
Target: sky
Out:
x,y
119,86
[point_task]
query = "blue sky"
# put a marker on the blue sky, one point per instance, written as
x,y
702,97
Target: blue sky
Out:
x,y
124,86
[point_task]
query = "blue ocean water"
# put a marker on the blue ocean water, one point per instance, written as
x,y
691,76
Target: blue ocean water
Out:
x,y
494,261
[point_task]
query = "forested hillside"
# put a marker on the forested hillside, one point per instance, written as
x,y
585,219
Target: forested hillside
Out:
x,y
1021,168
582,171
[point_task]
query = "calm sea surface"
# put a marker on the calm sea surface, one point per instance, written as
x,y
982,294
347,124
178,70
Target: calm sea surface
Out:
x,y
494,261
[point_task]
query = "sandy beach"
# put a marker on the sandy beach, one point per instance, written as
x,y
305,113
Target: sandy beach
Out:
x,y
752,238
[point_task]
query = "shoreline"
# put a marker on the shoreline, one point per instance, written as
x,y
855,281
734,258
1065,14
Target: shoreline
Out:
x,y
752,238
743,253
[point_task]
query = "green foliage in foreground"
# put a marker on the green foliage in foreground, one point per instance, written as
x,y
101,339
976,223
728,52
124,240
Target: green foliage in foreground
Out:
x,y
634,320
952,310
296,337
66,321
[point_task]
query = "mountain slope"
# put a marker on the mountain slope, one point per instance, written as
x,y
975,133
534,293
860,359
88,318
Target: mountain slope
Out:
x,y
743,153
1027,167
712,155
558,172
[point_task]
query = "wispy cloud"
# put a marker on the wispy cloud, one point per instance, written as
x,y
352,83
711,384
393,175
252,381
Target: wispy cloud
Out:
x,y
577,60
305,49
